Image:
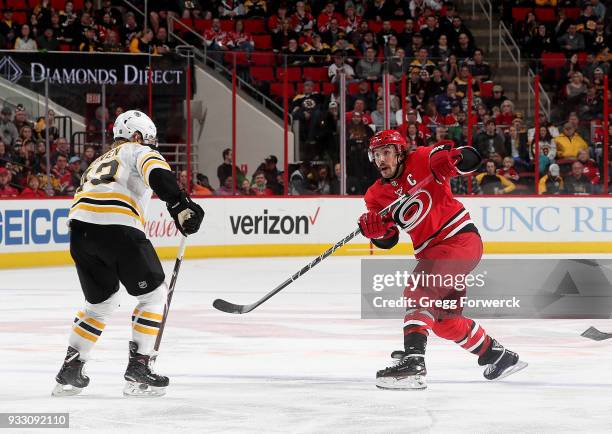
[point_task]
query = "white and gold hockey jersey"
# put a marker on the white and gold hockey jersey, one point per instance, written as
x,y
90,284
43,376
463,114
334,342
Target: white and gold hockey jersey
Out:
x,y
115,188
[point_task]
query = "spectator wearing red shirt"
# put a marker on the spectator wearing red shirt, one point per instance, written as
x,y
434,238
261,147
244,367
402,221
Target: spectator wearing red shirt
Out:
x,y
432,118
5,189
506,114
590,169
63,175
32,191
259,187
452,117
360,108
274,22
301,19
324,19
245,188
217,41
241,41
508,171
352,21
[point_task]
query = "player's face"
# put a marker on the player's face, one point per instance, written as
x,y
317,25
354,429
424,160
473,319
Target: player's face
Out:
x,y
386,160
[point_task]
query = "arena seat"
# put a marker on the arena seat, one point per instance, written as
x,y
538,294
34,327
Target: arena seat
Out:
x,y
316,74
227,25
546,15
328,88
16,4
572,13
486,89
263,59
242,58
519,14
276,89
553,60
353,88
202,25
254,26
262,42
262,73
293,73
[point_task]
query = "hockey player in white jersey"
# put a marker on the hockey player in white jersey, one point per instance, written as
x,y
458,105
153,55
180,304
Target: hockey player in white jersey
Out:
x,y
108,245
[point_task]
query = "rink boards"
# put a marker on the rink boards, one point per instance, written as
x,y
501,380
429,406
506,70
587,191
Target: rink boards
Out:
x,y
35,232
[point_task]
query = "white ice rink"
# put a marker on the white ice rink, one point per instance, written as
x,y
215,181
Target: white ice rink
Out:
x,y
302,362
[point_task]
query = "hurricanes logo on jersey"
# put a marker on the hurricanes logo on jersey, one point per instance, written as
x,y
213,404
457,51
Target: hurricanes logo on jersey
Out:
x,y
408,214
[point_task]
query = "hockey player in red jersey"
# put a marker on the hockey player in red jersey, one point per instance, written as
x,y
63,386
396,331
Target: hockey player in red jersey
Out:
x,y
445,241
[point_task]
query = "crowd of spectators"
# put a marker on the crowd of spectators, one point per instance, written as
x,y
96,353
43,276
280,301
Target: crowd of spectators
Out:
x,y
432,48
78,26
24,159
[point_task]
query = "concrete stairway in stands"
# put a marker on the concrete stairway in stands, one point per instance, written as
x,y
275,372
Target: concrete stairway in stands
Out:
x,y
504,73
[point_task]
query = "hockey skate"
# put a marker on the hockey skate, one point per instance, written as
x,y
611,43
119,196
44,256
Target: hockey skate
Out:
x,y
408,373
142,381
500,362
70,380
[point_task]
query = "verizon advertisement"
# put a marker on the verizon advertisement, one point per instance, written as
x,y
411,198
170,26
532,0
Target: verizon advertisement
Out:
x,y
41,225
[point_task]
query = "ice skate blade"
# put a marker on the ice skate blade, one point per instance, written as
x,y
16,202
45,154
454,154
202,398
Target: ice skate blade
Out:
x,y
519,366
65,390
141,390
415,382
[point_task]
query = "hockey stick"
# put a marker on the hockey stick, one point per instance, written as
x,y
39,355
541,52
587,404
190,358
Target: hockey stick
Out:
x,y
226,306
177,267
596,335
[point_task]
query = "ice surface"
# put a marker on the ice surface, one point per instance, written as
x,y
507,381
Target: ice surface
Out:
x,y
302,362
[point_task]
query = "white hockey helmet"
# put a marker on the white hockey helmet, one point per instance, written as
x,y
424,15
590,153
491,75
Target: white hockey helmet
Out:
x,y
132,121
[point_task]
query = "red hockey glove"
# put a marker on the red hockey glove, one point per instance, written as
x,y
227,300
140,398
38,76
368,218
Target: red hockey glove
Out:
x,y
442,162
372,225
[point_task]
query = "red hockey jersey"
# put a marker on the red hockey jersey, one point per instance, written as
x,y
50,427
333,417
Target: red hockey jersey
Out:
x,y
441,215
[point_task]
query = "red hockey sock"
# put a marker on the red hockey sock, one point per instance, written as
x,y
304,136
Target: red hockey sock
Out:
x,y
465,332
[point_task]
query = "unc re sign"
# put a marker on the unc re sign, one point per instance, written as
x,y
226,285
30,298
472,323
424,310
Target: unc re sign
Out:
x,y
37,226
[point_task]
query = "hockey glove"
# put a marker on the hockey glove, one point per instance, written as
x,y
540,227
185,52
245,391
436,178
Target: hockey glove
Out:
x,y
187,214
442,162
373,227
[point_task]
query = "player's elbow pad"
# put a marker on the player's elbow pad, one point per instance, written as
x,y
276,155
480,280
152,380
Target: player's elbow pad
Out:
x,y
164,184
389,241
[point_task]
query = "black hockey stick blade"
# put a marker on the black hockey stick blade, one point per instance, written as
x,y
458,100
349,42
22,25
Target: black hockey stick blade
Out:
x,y
227,307
596,335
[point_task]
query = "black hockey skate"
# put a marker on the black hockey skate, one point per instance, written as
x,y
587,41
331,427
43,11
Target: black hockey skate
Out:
x,y
500,362
70,379
407,374
142,381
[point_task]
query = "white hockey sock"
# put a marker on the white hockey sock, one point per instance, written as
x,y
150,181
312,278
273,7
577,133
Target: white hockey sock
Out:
x,y
89,324
147,318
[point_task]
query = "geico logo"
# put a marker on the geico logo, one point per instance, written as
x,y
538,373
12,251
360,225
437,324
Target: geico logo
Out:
x,y
270,224
37,226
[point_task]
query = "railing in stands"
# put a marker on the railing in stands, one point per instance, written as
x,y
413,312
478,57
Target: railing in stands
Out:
x,y
202,54
487,9
64,125
544,99
507,42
